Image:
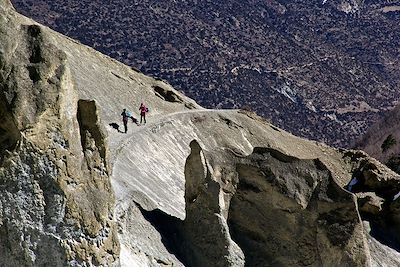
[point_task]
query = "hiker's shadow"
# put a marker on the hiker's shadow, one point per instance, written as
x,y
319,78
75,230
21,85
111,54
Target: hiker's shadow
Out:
x,y
115,126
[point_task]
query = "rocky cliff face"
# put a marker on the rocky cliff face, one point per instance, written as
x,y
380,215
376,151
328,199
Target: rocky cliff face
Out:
x,y
56,198
192,187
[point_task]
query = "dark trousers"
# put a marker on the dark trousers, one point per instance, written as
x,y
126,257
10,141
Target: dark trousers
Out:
x,y
143,116
125,125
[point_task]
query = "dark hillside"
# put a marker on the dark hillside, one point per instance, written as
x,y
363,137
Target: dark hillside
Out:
x,y
382,140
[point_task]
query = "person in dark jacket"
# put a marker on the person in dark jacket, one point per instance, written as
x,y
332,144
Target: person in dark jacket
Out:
x,y
125,118
143,111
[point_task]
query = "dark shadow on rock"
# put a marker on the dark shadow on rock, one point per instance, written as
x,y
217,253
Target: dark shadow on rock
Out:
x,y
134,120
169,228
273,226
385,224
384,219
384,230
115,126
167,95
9,133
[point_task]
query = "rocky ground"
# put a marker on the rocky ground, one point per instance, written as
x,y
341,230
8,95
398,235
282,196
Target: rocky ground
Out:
x,y
324,70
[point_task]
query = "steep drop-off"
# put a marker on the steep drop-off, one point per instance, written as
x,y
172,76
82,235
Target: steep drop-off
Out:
x,y
192,187
382,140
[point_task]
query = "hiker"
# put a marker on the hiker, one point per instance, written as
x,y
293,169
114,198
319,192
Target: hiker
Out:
x,y
125,118
143,111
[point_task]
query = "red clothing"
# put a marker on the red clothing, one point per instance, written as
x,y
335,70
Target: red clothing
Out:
x,y
143,109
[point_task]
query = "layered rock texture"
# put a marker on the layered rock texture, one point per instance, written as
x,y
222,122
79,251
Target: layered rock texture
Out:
x,y
56,199
192,187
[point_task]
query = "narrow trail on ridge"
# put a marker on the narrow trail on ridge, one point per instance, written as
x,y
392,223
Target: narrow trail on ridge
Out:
x,y
121,140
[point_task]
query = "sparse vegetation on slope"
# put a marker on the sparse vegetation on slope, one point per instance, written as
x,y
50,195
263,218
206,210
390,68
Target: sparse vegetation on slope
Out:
x,y
320,69
381,140
389,142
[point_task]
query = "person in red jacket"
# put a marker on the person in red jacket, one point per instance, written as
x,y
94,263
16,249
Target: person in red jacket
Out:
x,y
143,111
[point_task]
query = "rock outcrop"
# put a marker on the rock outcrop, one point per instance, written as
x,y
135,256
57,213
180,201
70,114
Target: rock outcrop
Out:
x,y
56,199
192,187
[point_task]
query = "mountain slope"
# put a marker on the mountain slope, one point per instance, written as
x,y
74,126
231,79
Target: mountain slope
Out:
x,y
324,70
382,140
192,187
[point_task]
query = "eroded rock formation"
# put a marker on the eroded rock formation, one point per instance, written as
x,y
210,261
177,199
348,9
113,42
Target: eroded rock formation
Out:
x,y
279,211
56,198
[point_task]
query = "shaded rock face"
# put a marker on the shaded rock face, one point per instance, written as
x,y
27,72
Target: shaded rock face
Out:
x,y
377,198
9,134
55,193
203,237
275,189
204,206
277,210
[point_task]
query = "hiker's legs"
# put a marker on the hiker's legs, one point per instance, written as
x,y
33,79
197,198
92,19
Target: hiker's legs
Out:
x,y
126,126
144,117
